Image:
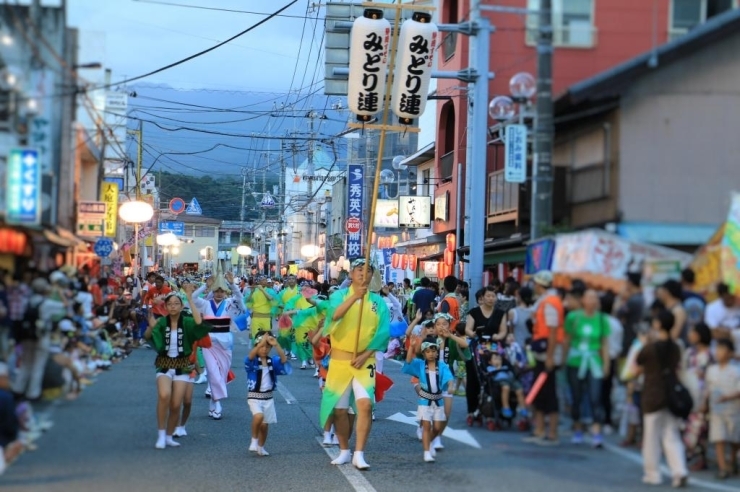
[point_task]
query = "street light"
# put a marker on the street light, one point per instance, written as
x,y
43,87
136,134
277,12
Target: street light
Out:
x,y
243,251
310,250
136,212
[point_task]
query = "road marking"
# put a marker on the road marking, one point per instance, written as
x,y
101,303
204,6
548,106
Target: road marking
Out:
x,y
289,398
462,436
354,476
637,459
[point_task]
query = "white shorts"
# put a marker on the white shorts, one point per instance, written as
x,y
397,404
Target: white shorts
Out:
x,y
265,407
171,373
431,413
356,388
724,428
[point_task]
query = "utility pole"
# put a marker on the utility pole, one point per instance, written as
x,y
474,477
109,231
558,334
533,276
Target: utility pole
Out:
x,y
241,217
283,204
479,29
542,175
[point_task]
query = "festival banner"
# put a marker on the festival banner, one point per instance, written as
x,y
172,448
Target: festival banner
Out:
x,y
109,195
355,200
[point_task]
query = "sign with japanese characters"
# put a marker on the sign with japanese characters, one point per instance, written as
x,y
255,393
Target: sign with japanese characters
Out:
x,y
386,214
417,43
91,218
414,212
23,183
368,64
355,199
109,195
515,150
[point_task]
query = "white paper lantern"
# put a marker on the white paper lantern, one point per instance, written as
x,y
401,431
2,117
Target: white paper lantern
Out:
x,y
417,43
368,64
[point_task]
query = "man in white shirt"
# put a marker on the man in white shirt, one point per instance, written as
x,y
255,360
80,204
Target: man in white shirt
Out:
x,y
723,315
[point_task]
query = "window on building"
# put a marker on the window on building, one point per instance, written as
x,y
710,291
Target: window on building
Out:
x,y
687,14
426,182
200,231
572,20
503,197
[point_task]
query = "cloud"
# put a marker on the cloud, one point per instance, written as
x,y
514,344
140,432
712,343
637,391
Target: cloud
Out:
x,y
140,37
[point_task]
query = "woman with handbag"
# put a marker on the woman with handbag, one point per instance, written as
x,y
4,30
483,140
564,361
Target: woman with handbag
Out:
x,y
172,337
659,361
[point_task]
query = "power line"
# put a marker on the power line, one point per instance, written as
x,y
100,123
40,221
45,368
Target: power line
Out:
x,y
173,4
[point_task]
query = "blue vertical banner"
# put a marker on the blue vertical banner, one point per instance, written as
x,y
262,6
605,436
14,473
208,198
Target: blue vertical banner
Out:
x,y
23,187
355,199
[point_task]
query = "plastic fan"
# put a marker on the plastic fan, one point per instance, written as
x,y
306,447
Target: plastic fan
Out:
x,y
398,329
308,292
382,384
241,321
230,376
285,322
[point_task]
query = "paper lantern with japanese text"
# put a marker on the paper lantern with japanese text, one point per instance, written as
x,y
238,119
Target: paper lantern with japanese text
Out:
x,y
417,43
404,262
412,262
450,241
368,64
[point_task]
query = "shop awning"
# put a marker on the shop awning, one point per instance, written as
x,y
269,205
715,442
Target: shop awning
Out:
x,y
70,236
56,239
513,255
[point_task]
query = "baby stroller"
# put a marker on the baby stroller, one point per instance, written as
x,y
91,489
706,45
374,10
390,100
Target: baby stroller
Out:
x,y
490,407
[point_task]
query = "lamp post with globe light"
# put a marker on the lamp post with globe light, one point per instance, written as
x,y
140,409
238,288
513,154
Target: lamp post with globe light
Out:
x,y
505,109
243,251
136,212
169,242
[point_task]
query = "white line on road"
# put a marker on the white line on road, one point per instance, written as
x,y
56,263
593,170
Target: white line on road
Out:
x,y
354,476
289,398
637,459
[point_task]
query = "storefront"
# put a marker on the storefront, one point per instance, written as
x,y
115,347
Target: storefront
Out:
x,y
16,248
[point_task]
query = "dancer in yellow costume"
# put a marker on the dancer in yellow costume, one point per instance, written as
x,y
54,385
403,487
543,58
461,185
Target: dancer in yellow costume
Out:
x,y
289,293
302,313
260,302
351,379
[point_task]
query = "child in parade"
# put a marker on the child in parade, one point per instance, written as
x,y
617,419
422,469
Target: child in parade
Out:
x,y
435,383
262,371
172,337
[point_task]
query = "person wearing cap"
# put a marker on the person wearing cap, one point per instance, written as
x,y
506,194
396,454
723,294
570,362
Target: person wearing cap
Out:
x,y
548,335
355,336
220,312
434,386
36,341
172,338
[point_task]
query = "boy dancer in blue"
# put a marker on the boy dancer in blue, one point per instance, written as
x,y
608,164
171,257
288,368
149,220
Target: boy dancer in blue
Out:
x,y
262,372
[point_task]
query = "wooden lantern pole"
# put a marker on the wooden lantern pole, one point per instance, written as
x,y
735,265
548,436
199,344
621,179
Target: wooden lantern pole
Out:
x,y
384,128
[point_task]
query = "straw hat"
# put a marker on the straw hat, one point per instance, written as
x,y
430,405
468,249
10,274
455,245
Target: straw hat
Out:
x,y
219,282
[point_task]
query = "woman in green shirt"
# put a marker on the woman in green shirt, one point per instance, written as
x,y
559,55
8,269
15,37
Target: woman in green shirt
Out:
x,y
172,337
587,348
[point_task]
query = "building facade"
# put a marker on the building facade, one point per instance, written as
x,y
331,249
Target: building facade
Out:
x,y
649,144
589,37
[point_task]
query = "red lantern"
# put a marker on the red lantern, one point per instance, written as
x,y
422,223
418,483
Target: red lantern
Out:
x,y
395,260
412,262
451,242
404,262
449,258
441,270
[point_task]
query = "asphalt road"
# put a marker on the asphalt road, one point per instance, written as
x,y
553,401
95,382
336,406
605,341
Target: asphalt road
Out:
x,y
104,441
